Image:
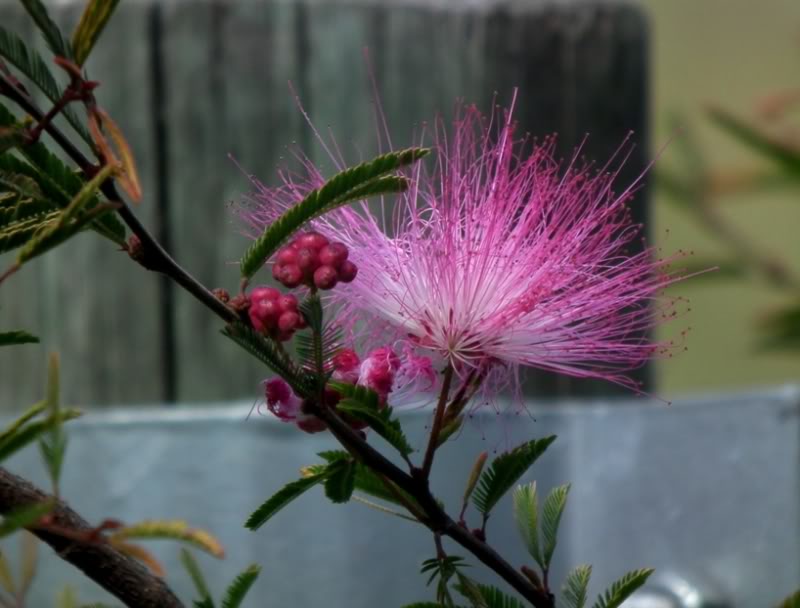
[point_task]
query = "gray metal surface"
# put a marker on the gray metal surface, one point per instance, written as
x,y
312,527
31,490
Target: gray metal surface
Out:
x,y
707,489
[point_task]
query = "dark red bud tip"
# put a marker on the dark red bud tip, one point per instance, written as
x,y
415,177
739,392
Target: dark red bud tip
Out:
x,y
287,302
240,303
347,272
289,275
287,255
307,260
264,293
222,295
312,240
325,277
333,254
287,322
479,534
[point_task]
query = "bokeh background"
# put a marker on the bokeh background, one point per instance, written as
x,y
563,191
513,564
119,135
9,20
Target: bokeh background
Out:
x,y
732,53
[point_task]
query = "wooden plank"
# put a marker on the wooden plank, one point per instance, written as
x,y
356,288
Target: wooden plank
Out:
x,y
229,66
95,307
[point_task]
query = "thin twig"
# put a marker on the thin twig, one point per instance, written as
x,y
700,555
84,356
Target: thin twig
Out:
x,y
438,417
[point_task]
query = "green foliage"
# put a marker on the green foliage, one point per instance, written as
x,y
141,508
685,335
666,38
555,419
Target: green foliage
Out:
x,y
23,434
171,529
316,348
240,586
366,481
21,185
782,329
551,517
474,475
364,404
57,182
283,497
490,597
356,183
622,589
423,605
9,338
48,28
505,471
444,569
526,514
576,586
793,601
770,147
93,20
196,574
53,445
24,517
271,354
31,64
340,483
72,219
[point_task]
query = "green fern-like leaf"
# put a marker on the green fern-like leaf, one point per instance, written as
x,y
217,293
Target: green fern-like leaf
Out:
x,y
576,586
526,514
357,183
93,20
622,589
8,338
48,28
72,219
17,234
551,517
492,597
19,184
364,404
196,574
31,432
286,495
366,481
238,589
317,347
505,471
271,354
58,183
31,64
340,484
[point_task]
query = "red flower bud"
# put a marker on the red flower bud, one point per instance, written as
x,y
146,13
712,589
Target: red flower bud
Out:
x,y
312,240
333,254
290,275
347,271
287,255
325,277
288,320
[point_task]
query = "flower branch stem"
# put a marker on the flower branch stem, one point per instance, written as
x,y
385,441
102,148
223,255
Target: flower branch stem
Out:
x,y
438,418
121,575
436,518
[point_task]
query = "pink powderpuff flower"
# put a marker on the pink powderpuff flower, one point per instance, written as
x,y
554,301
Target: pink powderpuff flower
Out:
x,y
499,257
287,406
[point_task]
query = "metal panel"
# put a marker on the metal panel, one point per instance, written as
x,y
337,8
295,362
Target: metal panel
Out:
x,y
707,489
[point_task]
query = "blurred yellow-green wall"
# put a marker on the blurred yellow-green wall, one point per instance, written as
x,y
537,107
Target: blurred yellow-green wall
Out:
x,y
729,52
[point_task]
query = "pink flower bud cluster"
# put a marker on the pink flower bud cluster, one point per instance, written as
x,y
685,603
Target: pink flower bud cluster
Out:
x,y
397,381
274,313
311,259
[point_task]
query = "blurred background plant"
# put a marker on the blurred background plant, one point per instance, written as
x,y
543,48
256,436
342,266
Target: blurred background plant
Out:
x,y
728,185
